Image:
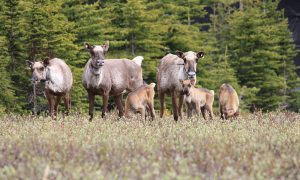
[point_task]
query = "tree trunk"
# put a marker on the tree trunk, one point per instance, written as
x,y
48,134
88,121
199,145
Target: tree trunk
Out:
x,y
132,45
241,5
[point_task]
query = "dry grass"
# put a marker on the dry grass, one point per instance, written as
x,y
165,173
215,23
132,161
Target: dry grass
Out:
x,y
257,147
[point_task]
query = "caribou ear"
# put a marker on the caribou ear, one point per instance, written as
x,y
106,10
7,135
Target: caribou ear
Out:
x,y
29,64
179,54
88,46
200,54
105,46
46,61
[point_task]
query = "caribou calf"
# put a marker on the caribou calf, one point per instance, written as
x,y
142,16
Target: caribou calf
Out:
x,y
198,99
141,101
229,102
58,80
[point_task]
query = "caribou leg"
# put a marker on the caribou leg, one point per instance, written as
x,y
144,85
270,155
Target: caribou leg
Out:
x,y
152,111
211,113
203,112
180,106
118,101
174,104
91,105
67,103
50,99
161,100
57,101
189,110
105,103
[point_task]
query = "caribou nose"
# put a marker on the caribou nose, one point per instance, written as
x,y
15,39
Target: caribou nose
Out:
x,y
33,79
191,74
100,62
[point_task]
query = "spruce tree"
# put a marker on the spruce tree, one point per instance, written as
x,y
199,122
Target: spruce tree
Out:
x,y
12,27
255,46
8,100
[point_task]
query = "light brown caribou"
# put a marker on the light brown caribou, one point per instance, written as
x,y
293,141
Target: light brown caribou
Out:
x,y
172,69
141,101
198,99
110,77
58,80
228,102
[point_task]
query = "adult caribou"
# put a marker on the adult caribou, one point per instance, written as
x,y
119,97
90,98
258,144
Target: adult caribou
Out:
x,y
58,80
110,77
171,70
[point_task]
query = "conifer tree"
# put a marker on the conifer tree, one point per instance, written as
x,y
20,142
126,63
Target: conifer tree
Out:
x,y
7,103
255,45
12,27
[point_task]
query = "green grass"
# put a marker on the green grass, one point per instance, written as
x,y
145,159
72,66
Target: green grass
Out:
x,y
257,147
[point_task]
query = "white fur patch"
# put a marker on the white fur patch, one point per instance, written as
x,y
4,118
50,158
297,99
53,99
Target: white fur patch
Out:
x,y
37,65
91,78
152,85
187,99
118,79
181,73
190,55
98,48
138,60
55,80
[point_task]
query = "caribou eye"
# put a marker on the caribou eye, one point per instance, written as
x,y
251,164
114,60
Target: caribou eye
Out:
x,y
189,85
42,69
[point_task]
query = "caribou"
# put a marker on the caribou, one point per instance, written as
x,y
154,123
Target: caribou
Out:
x,y
198,99
57,77
172,69
141,101
110,77
228,102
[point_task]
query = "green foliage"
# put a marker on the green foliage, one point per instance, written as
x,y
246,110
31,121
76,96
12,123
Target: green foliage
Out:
x,y
6,91
261,51
247,44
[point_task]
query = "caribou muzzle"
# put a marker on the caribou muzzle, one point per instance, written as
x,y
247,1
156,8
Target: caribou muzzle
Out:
x,y
192,77
99,62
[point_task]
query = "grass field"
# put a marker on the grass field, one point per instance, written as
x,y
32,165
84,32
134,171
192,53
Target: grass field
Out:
x,y
254,146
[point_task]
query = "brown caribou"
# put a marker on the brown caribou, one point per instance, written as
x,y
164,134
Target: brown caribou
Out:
x,y
229,102
141,101
198,99
58,80
171,70
110,77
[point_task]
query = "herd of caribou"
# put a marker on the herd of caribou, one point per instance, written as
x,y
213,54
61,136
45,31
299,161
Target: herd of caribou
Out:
x,y
176,76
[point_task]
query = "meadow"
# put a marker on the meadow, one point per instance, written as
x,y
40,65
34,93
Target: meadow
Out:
x,y
260,146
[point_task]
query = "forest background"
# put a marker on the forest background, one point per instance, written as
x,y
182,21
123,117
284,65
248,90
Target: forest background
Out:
x,y
247,44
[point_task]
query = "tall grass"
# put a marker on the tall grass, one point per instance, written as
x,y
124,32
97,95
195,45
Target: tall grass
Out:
x,y
253,146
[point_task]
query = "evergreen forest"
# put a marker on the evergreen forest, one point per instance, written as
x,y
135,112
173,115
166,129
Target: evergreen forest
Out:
x,y
247,43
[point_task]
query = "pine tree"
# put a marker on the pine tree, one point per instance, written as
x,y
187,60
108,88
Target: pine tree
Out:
x,y
13,29
255,49
7,103
137,29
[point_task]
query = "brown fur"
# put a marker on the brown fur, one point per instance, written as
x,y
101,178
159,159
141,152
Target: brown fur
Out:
x,y
198,99
229,102
141,100
173,68
110,77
